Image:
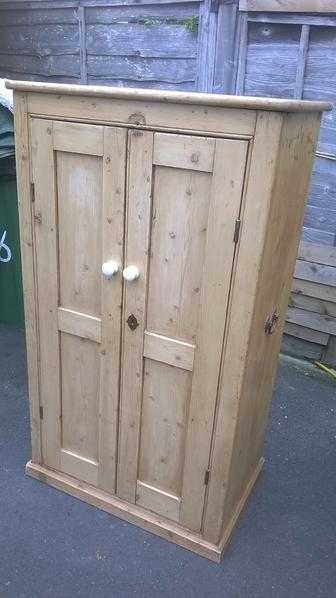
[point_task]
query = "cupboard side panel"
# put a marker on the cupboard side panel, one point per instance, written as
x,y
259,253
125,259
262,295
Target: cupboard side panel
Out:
x,y
295,157
28,266
283,153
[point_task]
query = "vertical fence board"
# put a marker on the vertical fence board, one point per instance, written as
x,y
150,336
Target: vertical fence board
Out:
x,y
301,65
242,55
82,44
225,48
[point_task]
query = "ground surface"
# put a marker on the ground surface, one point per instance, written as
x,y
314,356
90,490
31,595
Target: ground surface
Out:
x,y
284,546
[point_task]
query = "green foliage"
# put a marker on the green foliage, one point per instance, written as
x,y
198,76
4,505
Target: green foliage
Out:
x,y
149,22
191,24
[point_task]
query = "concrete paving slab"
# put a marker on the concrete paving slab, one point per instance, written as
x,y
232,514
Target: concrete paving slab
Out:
x,y
52,545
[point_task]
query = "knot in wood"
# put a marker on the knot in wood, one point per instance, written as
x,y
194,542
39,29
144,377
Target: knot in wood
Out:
x,y
137,118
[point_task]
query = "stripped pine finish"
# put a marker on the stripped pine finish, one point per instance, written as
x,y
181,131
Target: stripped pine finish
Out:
x,y
180,235
154,390
79,332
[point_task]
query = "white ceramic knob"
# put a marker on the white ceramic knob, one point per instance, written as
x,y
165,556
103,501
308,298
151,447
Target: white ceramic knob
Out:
x,y
110,268
131,273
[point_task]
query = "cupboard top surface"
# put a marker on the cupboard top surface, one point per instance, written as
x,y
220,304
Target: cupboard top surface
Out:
x,y
174,97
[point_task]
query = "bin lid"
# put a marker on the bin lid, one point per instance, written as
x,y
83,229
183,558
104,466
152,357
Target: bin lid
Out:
x,y
7,147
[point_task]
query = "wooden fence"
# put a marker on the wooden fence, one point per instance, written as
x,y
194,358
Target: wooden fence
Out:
x,y
108,43
293,55
224,46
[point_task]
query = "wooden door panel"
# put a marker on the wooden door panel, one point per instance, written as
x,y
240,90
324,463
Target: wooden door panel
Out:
x,y
79,177
79,201
79,193
192,189
163,426
178,235
80,385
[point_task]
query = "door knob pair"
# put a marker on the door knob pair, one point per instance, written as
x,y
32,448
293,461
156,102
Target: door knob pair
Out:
x,y
111,268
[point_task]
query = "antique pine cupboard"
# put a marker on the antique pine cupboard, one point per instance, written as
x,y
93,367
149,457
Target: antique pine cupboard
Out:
x,y
159,233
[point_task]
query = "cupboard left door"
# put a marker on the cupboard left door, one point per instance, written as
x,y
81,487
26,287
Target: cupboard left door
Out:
x,y
78,174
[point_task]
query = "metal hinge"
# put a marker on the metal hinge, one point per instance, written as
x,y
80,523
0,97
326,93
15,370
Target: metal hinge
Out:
x,y
207,477
236,230
32,192
41,412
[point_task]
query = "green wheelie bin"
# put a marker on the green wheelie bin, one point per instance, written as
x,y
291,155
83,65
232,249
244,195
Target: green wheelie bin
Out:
x,y
11,301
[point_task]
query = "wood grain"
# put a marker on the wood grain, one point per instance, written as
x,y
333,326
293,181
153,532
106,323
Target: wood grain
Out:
x,y
168,350
244,417
113,214
83,325
317,254
82,139
152,115
225,201
79,467
170,415
219,100
305,333
139,185
323,323
314,272
160,502
319,6
190,153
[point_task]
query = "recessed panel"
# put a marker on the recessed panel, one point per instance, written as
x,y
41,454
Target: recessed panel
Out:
x,y
80,395
178,234
166,394
79,190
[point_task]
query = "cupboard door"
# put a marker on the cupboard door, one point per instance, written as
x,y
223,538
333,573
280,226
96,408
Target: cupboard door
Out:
x,y
79,179
183,199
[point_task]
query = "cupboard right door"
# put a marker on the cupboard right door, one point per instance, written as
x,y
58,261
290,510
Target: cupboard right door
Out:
x,y
183,199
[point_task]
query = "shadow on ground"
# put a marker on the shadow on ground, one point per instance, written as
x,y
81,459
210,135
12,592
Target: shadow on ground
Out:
x,y
284,546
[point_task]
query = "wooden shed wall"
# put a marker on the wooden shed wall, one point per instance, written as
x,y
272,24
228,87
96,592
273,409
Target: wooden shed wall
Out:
x,y
143,45
272,60
207,45
294,56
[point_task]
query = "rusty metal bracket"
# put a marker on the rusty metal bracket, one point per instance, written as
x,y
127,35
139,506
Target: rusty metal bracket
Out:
x,y
271,323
